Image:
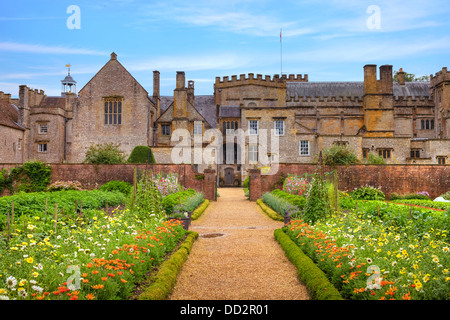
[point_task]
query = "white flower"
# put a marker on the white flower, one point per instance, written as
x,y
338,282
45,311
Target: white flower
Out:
x,y
23,293
11,282
37,288
3,297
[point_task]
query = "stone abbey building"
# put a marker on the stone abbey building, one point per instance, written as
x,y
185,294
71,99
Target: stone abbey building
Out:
x,y
404,122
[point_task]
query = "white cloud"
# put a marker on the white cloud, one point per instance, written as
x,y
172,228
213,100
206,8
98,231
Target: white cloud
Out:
x,y
42,49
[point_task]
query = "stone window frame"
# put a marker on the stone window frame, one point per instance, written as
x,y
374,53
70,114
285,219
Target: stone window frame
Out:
x,y
415,153
427,124
277,129
42,127
365,153
304,148
195,128
42,147
19,144
441,160
341,143
252,130
164,133
113,107
385,153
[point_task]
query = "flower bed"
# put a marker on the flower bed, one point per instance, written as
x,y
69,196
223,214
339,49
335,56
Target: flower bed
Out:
x,y
87,257
369,258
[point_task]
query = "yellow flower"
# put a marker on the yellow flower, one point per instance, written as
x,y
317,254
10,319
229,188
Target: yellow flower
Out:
x,y
416,266
29,260
29,235
35,274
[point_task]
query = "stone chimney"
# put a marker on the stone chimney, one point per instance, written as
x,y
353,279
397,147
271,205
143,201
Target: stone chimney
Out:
x,y
181,80
190,92
401,77
156,92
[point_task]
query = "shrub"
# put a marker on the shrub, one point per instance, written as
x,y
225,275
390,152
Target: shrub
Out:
x,y
423,195
367,193
33,176
317,203
174,199
107,153
2,179
167,184
280,205
141,154
446,195
65,185
246,182
114,185
337,155
373,158
190,203
148,200
294,184
298,201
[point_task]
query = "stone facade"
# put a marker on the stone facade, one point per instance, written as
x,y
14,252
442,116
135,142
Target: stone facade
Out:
x,y
404,122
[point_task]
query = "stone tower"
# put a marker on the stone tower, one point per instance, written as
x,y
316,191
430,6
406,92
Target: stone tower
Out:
x,y
378,101
440,91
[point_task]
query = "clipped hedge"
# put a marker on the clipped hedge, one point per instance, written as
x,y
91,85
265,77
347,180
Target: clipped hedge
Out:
x,y
141,154
200,209
166,278
315,279
271,213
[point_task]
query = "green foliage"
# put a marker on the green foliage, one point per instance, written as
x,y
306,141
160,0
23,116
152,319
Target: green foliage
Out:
x,y
367,193
33,176
190,203
107,153
317,202
373,158
114,185
246,182
446,195
2,179
141,154
148,199
408,196
280,205
298,201
174,199
337,155
409,77
269,211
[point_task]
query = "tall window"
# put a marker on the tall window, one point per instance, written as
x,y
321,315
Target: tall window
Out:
x,y
365,153
113,110
279,127
253,127
252,153
42,147
304,148
229,126
198,127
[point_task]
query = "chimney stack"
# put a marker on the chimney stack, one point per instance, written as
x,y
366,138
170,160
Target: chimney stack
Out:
x,y
181,80
401,77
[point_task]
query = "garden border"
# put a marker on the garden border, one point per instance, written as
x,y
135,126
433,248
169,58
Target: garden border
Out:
x,y
166,278
199,210
319,287
269,211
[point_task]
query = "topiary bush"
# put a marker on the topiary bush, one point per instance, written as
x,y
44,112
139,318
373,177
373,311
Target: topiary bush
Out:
x,y
141,154
337,155
317,202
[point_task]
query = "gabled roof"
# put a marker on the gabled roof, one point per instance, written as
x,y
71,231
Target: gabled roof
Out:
x,y
9,116
412,89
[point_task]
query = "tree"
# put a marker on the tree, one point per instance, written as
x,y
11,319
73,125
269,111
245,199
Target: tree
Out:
x,y
107,153
409,77
339,155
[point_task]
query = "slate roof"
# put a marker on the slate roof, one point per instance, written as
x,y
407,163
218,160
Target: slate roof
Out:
x,y
55,102
230,112
9,115
351,89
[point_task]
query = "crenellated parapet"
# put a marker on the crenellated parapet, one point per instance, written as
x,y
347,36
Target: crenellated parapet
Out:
x,y
258,79
325,99
440,77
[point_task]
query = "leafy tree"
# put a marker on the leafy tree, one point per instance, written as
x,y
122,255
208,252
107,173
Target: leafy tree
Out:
x,y
409,77
107,153
317,202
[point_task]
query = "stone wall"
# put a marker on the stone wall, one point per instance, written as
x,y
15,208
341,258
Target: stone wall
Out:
x,y
435,179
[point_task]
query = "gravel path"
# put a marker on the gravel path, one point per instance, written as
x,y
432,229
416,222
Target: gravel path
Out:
x,y
236,256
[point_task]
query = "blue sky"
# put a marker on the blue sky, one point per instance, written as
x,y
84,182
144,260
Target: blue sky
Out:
x,y
328,40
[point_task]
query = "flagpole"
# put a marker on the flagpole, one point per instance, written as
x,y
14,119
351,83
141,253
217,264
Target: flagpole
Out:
x,y
281,54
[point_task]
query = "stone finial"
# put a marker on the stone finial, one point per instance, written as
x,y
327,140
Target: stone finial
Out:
x,y
113,56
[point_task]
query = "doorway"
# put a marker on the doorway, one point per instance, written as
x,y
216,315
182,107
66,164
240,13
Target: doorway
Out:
x,y
229,177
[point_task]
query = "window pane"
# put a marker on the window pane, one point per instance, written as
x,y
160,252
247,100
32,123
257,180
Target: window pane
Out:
x,y
106,119
120,107
115,119
115,107
106,107
110,107
224,127
119,121
110,119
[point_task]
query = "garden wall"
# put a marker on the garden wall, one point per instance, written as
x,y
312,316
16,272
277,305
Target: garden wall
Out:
x,y
435,179
92,176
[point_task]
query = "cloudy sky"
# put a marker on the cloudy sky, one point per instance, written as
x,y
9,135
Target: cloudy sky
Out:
x,y
330,40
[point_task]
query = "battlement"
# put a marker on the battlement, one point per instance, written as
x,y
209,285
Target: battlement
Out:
x,y
409,99
327,99
258,79
5,97
31,97
441,76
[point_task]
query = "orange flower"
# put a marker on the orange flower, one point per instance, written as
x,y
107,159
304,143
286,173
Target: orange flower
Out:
x,y
104,278
90,296
56,292
89,265
407,296
84,275
85,280
94,272
74,297
112,275
98,286
391,291
123,280
40,297
115,252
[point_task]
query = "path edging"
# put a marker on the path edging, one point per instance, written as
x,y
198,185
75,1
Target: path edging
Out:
x,y
269,211
166,278
319,287
200,209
